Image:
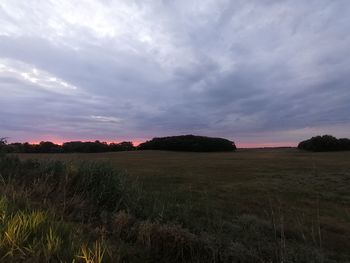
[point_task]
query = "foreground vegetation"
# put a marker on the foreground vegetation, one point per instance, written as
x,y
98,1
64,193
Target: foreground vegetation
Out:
x,y
249,206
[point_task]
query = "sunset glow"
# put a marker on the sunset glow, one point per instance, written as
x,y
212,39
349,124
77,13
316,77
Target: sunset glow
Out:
x,y
61,141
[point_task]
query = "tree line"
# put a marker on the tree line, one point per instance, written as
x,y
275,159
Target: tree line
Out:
x,y
186,143
190,143
67,147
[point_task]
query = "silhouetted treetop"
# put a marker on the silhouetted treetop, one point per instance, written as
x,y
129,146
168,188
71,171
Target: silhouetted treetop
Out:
x,y
189,143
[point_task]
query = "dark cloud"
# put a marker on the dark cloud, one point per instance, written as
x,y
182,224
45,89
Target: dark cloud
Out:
x,y
259,71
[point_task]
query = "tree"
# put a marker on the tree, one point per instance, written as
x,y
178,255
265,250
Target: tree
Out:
x,y
123,146
325,143
189,143
48,147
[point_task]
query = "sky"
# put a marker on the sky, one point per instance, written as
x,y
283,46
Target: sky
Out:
x,y
260,73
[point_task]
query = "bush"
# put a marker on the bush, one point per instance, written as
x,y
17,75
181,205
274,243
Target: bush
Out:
x,y
189,143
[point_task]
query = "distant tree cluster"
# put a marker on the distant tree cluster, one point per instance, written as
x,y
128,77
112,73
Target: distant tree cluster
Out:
x,y
189,143
96,147
68,147
325,143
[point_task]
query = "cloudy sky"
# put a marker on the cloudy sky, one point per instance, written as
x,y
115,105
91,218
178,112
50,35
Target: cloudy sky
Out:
x,y
264,72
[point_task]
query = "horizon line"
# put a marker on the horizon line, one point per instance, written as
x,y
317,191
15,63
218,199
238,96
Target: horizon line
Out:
x,y
243,145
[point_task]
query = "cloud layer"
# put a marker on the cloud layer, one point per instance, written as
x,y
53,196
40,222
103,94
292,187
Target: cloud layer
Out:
x,y
254,71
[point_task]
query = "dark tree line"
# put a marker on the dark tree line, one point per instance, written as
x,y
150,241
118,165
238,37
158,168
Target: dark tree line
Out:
x,y
189,143
68,147
325,143
97,146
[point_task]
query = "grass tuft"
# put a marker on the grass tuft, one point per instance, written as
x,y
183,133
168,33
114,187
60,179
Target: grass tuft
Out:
x,y
94,254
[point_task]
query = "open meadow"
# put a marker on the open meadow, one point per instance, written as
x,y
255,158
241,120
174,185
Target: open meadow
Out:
x,y
258,205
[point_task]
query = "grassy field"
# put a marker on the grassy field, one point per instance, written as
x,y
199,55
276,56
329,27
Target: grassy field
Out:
x,y
297,201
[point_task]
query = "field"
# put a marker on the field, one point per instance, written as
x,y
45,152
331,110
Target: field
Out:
x,y
268,205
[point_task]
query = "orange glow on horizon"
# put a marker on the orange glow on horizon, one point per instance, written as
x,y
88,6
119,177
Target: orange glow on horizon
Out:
x,y
60,141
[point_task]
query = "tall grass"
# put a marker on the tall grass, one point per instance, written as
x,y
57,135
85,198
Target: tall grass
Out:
x,y
33,235
97,186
